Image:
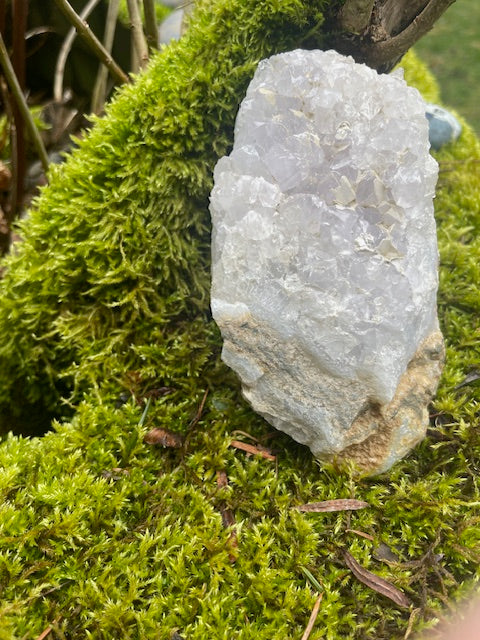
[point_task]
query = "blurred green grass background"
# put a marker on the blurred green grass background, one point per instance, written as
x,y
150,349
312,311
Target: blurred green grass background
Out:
x,y
452,51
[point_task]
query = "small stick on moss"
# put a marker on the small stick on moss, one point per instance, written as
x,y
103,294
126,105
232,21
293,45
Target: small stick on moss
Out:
x,y
367,536
139,41
151,28
48,630
198,415
249,448
338,504
313,617
87,34
22,104
45,633
193,422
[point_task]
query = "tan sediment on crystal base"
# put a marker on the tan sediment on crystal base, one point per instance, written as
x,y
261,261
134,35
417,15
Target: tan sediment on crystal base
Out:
x,y
402,423
333,416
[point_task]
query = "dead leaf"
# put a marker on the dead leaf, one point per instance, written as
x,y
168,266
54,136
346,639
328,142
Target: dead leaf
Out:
x,y
313,617
374,582
249,448
165,438
222,479
332,505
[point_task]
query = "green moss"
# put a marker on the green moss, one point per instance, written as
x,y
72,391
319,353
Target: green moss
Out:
x,y
103,536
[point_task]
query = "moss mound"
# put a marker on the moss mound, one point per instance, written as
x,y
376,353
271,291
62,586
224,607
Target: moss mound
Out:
x,y
104,314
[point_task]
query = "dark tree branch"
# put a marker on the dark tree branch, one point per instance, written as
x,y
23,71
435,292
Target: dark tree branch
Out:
x,y
393,27
355,15
386,50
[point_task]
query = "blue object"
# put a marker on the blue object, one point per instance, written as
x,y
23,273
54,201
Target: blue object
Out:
x,y
443,127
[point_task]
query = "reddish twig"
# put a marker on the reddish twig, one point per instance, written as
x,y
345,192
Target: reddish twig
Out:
x,y
248,448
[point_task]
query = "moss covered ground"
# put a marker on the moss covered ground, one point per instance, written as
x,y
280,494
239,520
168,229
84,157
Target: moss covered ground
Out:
x,y
105,326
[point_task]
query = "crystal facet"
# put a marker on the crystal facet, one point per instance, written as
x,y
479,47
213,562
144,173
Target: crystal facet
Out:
x,y
324,255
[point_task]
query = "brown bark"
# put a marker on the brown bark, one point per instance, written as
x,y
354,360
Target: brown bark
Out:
x,y
380,32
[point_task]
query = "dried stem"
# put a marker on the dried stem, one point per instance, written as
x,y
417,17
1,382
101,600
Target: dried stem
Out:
x,y
94,43
16,90
19,160
151,28
100,89
139,41
313,617
65,50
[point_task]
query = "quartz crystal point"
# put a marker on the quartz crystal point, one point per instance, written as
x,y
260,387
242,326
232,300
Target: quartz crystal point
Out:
x,y
324,257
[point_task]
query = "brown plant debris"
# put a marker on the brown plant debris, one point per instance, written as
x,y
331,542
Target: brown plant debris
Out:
x,y
374,582
332,505
228,519
360,533
198,415
313,617
254,450
165,438
45,633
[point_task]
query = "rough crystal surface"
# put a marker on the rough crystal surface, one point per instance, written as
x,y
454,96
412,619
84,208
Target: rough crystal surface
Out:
x,y
324,252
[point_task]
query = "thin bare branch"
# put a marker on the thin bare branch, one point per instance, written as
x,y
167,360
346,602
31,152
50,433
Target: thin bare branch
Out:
x,y
139,41
19,157
16,90
100,88
65,50
87,34
151,28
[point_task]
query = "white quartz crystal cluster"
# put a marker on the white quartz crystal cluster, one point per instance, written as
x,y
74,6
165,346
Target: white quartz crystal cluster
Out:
x,y
324,273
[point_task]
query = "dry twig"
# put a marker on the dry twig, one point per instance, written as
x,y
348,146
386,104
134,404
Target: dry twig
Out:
x,y
249,448
22,104
360,533
94,43
65,50
151,28
100,88
332,505
313,617
138,37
